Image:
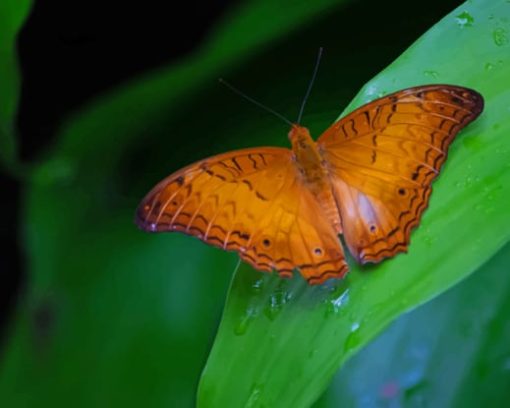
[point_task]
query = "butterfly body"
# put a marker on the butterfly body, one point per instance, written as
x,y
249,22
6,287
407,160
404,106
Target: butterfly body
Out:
x,y
311,168
368,177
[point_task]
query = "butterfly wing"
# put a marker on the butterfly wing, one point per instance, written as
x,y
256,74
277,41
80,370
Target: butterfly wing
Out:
x,y
383,157
250,201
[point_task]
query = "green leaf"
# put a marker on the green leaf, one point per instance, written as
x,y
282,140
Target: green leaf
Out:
x,y
279,343
453,351
12,16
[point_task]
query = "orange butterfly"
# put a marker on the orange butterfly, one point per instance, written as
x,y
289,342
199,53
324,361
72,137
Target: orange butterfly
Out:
x,y
367,177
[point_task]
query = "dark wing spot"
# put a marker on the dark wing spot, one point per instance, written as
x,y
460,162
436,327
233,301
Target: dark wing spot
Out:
x,y
266,242
317,251
401,191
372,228
180,180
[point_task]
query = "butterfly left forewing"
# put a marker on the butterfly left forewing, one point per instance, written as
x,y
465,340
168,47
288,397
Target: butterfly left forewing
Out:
x,y
383,157
252,202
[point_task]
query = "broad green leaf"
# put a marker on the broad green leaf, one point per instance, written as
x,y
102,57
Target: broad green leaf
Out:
x,y
12,16
279,343
452,352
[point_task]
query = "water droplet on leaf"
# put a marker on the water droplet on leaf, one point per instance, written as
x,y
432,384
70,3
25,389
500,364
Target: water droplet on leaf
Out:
x,y
500,36
339,302
465,19
277,300
245,321
431,73
253,399
257,286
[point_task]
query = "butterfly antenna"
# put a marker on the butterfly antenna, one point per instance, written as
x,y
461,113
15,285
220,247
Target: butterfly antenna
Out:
x,y
310,86
237,91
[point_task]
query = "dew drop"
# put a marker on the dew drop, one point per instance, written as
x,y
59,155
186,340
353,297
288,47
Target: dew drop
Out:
x,y
355,327
336,305
153,226
489,66
253,399
372,90
257,286
245,321
500,36
352,341
465,19
431,74
277,300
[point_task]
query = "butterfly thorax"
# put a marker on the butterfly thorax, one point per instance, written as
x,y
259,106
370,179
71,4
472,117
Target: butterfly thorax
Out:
x,y
309,164
307,157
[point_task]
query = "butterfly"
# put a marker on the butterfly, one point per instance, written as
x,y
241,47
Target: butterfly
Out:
x,y
367,177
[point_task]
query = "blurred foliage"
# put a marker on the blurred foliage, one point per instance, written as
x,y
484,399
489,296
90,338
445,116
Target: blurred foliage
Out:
x,y
114,317
12,16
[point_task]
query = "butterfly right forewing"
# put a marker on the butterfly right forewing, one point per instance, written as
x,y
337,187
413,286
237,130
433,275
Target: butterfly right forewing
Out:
x,y
383,157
